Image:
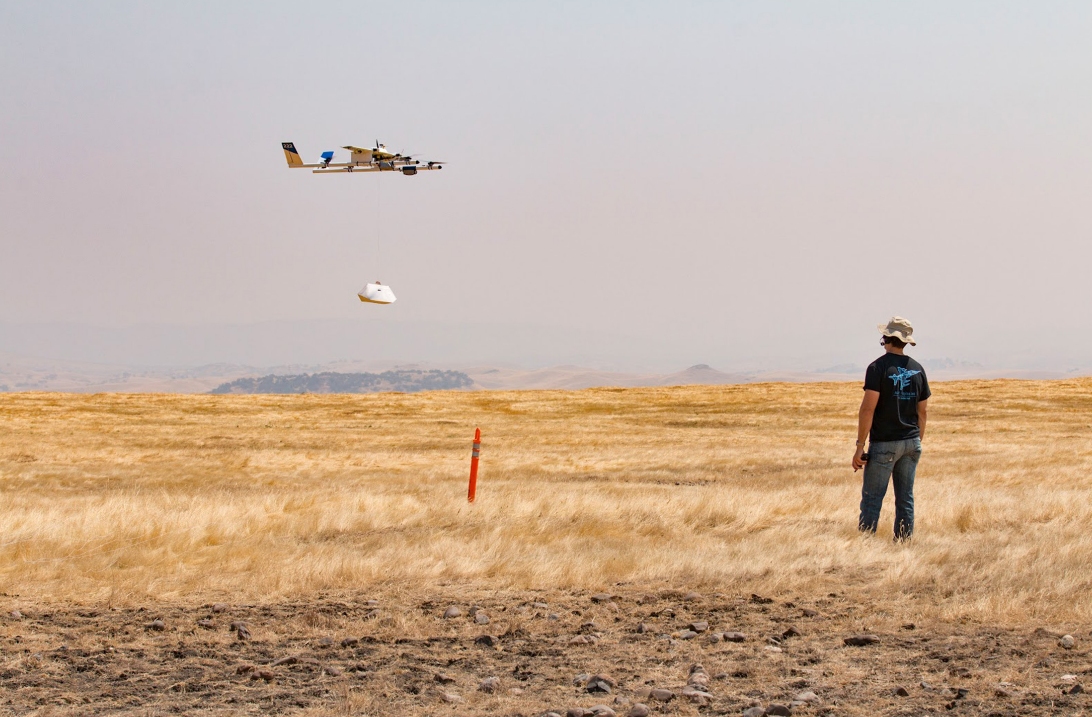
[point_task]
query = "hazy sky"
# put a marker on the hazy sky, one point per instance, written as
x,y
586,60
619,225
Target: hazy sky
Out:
x,y
725,182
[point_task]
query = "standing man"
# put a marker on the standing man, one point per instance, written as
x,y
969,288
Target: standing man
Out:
x,y
892,417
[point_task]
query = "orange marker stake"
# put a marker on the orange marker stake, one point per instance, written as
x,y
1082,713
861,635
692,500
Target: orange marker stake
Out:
x,y
474,465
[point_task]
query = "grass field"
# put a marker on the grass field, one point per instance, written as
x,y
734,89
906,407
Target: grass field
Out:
x,y
166,504
130,497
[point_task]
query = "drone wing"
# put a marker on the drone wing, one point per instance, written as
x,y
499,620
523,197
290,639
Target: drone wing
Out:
x,y
361,155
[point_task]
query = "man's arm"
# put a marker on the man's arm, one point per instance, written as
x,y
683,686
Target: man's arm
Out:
x,y
864,424
923,414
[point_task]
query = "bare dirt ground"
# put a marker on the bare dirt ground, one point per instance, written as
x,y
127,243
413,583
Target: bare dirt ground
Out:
x,y
396,654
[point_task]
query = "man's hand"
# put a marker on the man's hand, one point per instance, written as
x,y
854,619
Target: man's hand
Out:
x,y
864,424
858,464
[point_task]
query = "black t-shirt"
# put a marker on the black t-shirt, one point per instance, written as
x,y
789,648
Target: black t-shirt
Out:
x,y
901,383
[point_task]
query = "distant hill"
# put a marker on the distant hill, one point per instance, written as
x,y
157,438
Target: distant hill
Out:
x,y
406,381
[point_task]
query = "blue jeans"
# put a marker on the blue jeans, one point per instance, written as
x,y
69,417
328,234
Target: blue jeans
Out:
x,y
897,460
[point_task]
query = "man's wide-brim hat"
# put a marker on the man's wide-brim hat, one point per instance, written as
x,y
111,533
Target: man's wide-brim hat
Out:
x,y
899,328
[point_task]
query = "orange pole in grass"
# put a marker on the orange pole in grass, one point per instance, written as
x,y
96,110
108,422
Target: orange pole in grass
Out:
x,y
474,465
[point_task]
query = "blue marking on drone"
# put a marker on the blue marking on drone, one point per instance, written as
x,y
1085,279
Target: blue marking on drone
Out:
x,y
328,155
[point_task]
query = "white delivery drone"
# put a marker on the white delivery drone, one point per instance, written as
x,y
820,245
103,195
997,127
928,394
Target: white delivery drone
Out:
x,y
379,159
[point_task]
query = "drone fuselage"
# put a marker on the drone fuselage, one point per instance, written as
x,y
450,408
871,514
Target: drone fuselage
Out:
x,y
361,159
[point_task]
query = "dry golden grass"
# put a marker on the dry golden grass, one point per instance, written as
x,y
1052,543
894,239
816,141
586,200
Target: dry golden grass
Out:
x,y
735,488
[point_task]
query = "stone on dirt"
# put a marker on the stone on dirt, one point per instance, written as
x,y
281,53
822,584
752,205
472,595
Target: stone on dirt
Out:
x,y
481,618
861,640
443,678
350,641
699,626
808,697
695,696
603,711
451,697
602,597
487,640
453,611
219,607
15,615
902,692
286,660
599,683
244,669
1067,642
778,710
266,675
206,624
734,637
692,597
754,712
157,625
489,685
638,710
332,670
661,695
242,632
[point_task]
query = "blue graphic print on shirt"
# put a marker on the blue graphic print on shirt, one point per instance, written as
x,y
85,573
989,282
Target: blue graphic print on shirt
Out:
x,y
902,377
